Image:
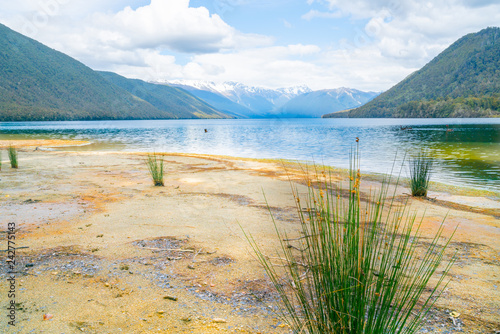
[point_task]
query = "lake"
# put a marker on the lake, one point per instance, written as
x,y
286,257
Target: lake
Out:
x,y
467,151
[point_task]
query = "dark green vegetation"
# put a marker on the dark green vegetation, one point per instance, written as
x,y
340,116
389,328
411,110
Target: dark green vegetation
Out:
x,y
38,83
359,266
462,81
12,157
420,174
155,166
165,98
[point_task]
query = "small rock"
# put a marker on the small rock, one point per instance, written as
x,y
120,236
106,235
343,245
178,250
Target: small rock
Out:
x,y
47,316
160,312
190,266
219,320
186,319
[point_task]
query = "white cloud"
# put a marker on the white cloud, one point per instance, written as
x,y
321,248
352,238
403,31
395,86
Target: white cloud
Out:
x,y
139,38
301,64
401,36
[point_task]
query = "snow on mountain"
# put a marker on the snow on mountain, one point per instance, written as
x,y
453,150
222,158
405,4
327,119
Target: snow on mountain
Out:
x,y
261,101
252,102
321,102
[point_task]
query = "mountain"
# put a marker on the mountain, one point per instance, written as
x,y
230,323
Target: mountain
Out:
x,y
317,103
462,81
219,102
166,98
38,83
256,101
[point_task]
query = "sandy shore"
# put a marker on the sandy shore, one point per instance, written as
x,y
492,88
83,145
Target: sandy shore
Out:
x,y
93,224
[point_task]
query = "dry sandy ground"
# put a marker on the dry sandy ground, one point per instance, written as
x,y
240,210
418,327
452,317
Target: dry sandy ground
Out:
x,y
94,223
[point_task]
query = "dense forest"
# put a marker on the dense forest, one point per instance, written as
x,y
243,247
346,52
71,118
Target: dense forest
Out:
x,y
462,81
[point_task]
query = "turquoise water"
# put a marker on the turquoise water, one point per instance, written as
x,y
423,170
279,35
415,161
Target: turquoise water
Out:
x,y
467,150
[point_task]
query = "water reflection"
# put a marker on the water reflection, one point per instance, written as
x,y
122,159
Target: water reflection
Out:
x,y
467,150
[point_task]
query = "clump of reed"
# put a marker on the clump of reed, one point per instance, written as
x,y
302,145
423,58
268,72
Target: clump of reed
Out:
x,y
420,173
12,157
358,265
155,166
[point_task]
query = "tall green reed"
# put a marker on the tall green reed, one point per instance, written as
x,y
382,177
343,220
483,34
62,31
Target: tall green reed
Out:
x,y
155,166
420,173
359,265
13,157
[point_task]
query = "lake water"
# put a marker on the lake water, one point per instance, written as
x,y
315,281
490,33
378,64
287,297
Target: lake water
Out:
x,y
467,151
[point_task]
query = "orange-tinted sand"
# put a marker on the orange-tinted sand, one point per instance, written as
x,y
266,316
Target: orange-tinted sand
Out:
x,y
93,223
41,143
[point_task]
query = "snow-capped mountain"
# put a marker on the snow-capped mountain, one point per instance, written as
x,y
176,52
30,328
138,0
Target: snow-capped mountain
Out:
x,y
245,101
255,101
321,102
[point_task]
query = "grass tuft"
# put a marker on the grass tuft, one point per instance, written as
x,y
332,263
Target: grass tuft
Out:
x,y
357,265
155,165
420,174
13,157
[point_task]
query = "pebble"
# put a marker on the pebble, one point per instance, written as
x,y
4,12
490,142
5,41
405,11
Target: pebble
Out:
x,y
219,320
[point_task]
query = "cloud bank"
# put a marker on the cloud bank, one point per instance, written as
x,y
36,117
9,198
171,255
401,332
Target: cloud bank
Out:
x,y
172,39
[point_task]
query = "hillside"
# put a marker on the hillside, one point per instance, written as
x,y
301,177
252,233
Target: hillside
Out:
x,y
462,81
317,103
165,98
218,101
38,83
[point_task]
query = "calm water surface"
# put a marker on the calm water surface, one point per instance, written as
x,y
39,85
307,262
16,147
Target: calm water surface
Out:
x,y
467,150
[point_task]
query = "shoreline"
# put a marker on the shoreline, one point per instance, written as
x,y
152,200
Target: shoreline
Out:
x,y
95,227
453,193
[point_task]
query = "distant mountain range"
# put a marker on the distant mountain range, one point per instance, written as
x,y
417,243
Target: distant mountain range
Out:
x,y
255,102
246,101
462,81
318,103
38,83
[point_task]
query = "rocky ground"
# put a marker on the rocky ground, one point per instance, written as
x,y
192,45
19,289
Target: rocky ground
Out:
x,y
107,252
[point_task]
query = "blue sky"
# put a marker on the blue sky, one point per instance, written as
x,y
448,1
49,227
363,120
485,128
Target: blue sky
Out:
x,y
283,20
363,44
